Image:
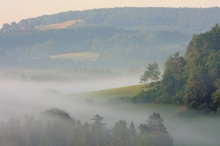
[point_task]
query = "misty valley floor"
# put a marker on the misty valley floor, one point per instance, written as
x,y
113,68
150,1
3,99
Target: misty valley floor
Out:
x,y
19,98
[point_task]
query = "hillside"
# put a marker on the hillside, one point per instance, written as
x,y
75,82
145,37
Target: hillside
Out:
x,y
62,25
125,38
114,93
191,20
194,79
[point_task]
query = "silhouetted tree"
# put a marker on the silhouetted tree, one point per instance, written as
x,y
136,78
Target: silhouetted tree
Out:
x,y
98,129
132,141
120,133
152,73
154,133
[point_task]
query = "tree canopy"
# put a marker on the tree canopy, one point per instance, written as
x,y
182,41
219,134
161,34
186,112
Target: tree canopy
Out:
x,y
192,80
60,131
152,73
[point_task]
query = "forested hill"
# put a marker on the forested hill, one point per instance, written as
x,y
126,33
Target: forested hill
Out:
x,y
193,80
192,20
121,38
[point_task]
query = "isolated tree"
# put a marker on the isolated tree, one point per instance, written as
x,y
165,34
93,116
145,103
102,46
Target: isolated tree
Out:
x,y
152,73
98,128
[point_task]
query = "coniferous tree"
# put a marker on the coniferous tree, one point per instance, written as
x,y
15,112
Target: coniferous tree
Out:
x,y
159,134
98,128
132,135
154,132
32,132
120,133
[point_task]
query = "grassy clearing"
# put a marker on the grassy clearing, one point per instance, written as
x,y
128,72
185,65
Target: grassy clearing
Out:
x,y
58,25
116,92
80,56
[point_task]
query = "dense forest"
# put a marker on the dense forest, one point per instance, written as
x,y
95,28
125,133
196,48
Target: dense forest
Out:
x,y
117,47
125,38
192,80
56,127
177,19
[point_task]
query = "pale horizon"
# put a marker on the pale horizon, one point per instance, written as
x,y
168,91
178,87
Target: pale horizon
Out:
x,y
15,11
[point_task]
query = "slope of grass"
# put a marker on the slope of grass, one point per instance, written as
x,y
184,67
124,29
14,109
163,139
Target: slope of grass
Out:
x,y
116,92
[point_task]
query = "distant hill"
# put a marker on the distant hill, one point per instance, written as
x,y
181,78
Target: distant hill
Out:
x,y
191,20
125,38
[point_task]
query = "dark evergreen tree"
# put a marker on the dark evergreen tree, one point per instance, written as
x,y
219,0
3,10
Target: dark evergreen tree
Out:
x,y
99,130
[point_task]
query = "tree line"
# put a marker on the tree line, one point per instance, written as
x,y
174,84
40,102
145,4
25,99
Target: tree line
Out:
x,y
192,80
117,47
183,19
123,36
55,127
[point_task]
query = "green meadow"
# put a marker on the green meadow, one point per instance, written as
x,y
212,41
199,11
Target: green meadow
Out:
x,y
115,92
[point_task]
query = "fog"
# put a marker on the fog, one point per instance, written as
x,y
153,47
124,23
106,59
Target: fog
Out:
x,y
18,98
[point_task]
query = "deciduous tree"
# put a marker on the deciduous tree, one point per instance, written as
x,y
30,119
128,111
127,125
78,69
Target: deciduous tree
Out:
x,y
152,73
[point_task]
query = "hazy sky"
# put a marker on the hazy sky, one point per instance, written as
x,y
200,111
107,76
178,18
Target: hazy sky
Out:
x,y
15,10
